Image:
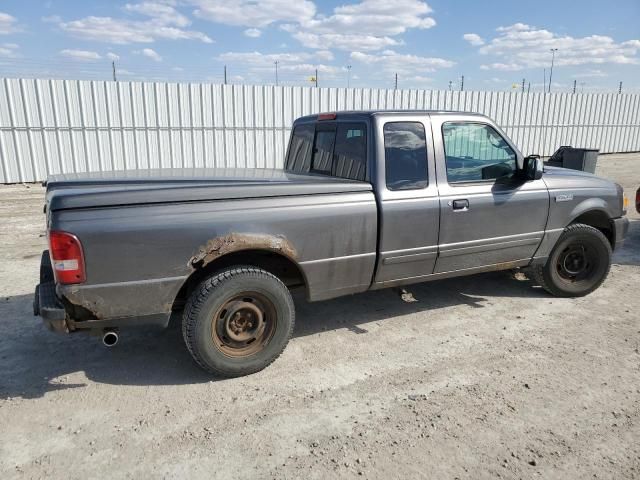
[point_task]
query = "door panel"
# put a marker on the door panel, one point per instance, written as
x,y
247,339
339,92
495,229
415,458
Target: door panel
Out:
x,y
486,221
408,201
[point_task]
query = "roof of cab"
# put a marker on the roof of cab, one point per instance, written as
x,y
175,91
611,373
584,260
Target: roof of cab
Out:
x,y
368,113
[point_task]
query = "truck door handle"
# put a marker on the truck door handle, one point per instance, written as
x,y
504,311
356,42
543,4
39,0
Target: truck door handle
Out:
x,y
460,205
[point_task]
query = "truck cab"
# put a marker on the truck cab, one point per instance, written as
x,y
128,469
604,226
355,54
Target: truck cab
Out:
x,y
450,189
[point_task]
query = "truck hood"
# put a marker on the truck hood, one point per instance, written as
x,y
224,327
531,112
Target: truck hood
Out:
x,y
134,187
565,178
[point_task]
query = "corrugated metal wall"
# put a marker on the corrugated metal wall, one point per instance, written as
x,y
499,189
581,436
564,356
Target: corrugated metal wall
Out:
x,y
60,126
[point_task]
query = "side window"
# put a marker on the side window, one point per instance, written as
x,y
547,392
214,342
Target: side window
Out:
x,y
405,151
350,154
300,149
323,151
476,152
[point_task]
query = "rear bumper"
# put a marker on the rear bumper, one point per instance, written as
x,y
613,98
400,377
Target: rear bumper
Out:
x,y
48,304
620,229
45,301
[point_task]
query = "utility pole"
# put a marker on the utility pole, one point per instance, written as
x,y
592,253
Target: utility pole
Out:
x,y
523,85
348,76
462,83
113,68
225,74
574,86
396,84
620,88
316,77
276,64
553,56
544,81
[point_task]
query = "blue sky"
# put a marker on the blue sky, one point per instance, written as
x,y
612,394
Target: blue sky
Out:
x,y
494,44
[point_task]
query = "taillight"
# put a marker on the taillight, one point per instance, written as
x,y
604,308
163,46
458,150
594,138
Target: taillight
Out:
x,y
66,257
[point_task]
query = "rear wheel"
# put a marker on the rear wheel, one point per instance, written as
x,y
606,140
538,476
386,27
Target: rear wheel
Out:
x,y
578,264
238,321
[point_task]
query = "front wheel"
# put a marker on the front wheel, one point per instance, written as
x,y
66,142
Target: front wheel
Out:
x,y
578,263
238,321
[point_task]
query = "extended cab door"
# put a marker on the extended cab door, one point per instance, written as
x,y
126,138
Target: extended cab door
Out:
x,y
489,215
407,198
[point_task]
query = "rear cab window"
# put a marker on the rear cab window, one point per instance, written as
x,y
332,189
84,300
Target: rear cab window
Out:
x,y
405,152
329,148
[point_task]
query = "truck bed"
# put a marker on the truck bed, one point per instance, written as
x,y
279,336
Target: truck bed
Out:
x,y
103,189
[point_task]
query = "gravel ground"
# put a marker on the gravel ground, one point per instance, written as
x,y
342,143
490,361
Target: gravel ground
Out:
x,y
482,377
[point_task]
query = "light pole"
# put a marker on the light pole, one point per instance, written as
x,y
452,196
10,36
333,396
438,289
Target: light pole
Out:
x,y
348,76
276,64
553,56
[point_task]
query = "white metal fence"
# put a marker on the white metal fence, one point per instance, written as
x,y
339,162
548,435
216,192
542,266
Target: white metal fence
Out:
x,y
62,126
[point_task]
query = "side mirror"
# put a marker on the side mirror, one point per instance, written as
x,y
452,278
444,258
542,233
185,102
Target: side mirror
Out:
x,y
532,167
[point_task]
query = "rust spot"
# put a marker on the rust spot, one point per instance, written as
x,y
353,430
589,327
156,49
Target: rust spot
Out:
x,y
234,242
75,297
504,266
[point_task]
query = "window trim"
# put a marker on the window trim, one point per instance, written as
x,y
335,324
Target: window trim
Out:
x,y
472,182
426,151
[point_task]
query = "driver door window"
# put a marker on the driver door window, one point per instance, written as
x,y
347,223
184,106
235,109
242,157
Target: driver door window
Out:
x,y
475,152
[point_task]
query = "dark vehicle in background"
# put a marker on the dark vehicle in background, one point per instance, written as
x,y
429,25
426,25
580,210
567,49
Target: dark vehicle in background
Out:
x,y
367,200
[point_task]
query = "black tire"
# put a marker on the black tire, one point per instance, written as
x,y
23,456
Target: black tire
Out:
x,y
254,319
578,264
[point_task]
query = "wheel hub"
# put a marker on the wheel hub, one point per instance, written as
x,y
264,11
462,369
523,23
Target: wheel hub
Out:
x,y
242,321
575,263
244,324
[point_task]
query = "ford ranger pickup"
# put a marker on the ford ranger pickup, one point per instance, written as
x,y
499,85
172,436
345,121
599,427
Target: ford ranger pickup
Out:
x,y
366,200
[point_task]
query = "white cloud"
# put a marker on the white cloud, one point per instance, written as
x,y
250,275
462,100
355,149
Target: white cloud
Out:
x,y
591,74
8,24
81,55
263,64
9,50
344,41
325,55
253,32
474,39
404,64
150,53
163,22
251,13
162,12
368,25
113,56
522,46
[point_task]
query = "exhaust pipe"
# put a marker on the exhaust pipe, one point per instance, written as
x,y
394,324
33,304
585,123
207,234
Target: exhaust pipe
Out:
x,y
110,338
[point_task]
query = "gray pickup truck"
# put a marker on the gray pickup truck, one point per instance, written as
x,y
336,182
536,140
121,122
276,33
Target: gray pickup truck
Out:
x,y
367,200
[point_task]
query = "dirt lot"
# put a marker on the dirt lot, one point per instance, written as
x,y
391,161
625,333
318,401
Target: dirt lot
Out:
x,y
482,377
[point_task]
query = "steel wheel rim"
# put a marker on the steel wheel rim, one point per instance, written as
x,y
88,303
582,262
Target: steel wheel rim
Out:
x,y
244,324
576,262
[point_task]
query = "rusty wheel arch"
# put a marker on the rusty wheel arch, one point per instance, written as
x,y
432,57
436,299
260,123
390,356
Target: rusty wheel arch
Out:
x,y
275,262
